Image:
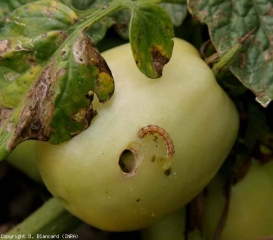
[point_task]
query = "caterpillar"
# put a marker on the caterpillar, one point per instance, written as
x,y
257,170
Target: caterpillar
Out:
x,y
162,133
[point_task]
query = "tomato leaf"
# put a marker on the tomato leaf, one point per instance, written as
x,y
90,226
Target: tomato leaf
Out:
x,y
84,9
98,30
228,22
49,72
176,11
82,4
50,69
7,6
151,33
122,23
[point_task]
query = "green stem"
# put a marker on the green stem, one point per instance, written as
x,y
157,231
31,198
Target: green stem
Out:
x,y
101,13
170,1
227,59
176,1
50,219
231,55
111,7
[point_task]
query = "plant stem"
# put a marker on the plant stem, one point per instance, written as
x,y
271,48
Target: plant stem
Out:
x,y
231,55
227,59
113,6
50,219
97,15
170,1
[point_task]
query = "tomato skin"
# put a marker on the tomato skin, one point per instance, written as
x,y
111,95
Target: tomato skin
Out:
x,y
172,227
23,158
186,102
250,214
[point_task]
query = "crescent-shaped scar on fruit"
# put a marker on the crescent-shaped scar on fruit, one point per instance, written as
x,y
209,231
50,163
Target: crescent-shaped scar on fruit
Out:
x,y
163,134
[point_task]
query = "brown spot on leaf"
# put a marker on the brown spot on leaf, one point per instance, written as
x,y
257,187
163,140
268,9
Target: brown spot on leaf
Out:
x,y
31,61
63,52
90,114
38,109
80,51
83,115
85,52
62,36
10,127
242,57
4,46
5,114
159,60
90,96
60,72
49,13
38,105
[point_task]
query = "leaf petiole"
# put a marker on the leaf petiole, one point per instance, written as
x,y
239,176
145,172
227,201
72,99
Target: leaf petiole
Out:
x,y
98,14
230,56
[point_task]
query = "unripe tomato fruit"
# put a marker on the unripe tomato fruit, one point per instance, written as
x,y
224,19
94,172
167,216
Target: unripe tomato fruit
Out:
x,y
115,178
250,213
172,227
23,159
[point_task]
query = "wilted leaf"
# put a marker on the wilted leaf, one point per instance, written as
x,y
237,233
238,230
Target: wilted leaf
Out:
x,y
151,33
228,22
49,73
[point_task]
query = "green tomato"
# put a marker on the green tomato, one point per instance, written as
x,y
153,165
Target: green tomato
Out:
x,y
152,147
250,214
172,227
23,159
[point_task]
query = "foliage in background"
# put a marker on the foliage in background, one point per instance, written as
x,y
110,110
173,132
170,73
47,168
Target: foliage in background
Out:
x,y
228,22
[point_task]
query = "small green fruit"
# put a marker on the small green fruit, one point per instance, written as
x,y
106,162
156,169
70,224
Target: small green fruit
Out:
x,y
250,213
